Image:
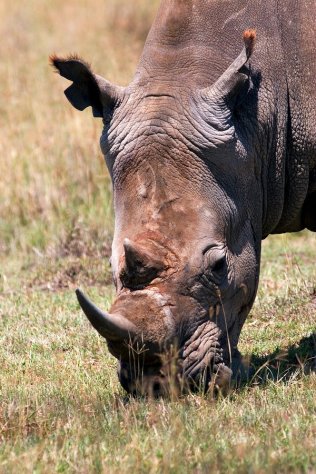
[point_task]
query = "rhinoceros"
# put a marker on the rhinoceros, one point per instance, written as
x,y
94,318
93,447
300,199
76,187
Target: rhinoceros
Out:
x,y
211,148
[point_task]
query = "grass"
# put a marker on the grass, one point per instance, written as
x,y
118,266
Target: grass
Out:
x,y
61,408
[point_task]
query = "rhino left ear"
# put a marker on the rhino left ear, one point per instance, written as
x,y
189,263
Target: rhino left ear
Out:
x,y
232,81
88,89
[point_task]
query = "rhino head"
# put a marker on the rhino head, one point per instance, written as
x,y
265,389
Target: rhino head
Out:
x,y
185,254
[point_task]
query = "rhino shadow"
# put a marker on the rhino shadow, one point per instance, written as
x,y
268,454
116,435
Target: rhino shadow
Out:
x,y
281,365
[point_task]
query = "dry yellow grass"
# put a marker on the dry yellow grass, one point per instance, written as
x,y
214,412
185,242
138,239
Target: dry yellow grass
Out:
x,y
52,172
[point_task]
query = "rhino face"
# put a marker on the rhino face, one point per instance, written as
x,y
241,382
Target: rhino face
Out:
x,y
185,256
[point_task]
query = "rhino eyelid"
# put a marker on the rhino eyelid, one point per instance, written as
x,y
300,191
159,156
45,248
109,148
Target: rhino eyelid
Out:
x,y
209,247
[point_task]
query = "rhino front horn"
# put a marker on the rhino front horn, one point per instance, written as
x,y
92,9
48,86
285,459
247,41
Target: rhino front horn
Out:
x,y
111,326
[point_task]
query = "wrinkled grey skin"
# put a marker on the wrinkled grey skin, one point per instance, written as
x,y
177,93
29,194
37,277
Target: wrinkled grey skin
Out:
x,y
208,155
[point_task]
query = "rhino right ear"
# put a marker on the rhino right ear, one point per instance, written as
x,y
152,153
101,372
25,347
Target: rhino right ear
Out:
x,y
87,89
230,84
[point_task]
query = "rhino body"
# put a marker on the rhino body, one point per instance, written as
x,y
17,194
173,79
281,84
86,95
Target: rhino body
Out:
x,y
211,148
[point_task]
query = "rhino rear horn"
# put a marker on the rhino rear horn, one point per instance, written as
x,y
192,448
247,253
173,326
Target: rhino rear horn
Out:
x,y
142,264
87,89
111,326
136,256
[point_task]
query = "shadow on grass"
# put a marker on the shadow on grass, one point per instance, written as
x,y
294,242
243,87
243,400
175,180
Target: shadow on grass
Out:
x,y
281,365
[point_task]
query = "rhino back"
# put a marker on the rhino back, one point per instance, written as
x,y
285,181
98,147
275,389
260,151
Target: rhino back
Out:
x,y
297,19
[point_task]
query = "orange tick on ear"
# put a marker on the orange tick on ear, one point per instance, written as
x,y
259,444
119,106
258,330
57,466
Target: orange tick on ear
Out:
x,y
249,37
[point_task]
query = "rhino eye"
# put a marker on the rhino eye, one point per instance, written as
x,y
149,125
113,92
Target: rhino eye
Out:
x,y
215,264
218,265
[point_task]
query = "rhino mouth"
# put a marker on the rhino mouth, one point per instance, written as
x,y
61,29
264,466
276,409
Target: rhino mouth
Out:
x,y
158,370
176,375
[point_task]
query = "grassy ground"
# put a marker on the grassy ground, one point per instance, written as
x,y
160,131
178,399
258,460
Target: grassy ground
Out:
x,y
61,409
